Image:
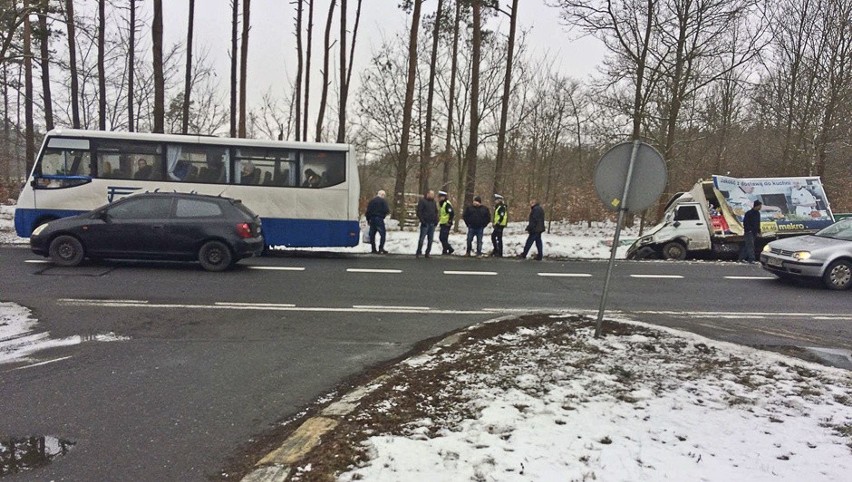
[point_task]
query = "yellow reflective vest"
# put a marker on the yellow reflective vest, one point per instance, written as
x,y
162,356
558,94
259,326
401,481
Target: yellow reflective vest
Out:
x,y
501,217
445,213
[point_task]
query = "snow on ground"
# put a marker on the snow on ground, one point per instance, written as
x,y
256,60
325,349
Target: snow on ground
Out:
x,y
551,402
19,338
7,226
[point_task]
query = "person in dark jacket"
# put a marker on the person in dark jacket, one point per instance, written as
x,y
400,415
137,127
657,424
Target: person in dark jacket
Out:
x,y
534,228
377,210
751,229
476,217
427,214
445,221
501,220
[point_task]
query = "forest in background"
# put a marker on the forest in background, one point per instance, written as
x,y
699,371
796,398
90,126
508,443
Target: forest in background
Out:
x,y
455,100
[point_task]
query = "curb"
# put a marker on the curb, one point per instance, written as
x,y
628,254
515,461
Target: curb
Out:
x,y
277,465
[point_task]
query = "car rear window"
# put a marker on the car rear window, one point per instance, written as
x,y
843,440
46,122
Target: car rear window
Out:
x,y
196,208
243,209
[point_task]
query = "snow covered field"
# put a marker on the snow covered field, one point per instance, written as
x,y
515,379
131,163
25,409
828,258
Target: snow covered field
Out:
x,y
544,400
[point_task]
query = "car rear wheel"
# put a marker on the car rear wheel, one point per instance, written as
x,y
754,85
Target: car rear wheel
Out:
x,y
674,250
66,251
838,275
215,256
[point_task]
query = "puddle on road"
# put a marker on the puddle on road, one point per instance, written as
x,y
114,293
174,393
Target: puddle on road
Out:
x,y
20,454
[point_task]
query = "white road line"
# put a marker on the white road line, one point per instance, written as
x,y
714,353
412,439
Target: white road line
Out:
x,y
369,270
382,307
42,363
278,268
272,305
472,273
37,261
565,275
75,300
742,317
731,313
749,277
833,318
662,276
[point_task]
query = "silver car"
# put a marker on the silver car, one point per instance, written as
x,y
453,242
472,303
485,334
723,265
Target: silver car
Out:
x,y
826,255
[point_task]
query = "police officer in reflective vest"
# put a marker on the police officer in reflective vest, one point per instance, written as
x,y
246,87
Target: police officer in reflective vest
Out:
x,y
501,219
445,222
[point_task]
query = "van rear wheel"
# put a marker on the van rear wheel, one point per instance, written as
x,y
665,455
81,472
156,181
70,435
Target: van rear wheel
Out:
x,y
674,250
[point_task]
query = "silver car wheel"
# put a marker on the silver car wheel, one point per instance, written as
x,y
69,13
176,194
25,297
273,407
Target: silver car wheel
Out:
x,y
840,275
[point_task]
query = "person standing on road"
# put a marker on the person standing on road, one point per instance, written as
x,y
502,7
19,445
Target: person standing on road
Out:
x,y
476,217
751,229
445,221
534,228
501,219
427,213
377,210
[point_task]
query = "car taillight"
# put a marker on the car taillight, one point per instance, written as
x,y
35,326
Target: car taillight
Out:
x,y
244,230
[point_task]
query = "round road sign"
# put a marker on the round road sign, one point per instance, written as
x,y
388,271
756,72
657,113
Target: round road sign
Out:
x,y
647,181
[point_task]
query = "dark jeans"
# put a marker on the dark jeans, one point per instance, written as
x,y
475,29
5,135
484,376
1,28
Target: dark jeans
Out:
x,y
444,237
426,231
533,238
478,232
377,225
747,249
497,240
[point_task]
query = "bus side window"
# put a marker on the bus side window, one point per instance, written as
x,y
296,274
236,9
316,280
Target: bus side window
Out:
x,y
63,162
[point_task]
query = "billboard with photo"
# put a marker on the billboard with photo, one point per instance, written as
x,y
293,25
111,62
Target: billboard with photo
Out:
x,y
789,203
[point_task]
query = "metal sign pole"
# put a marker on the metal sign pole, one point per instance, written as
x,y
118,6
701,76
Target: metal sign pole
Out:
x,y
621,210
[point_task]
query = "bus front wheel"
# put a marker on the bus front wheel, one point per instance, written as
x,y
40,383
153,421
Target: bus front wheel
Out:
x,y
66,251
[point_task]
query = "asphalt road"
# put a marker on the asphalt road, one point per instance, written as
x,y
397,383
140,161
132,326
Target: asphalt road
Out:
x,y
207,361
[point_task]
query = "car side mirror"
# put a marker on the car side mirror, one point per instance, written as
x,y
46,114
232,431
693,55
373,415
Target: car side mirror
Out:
x,y
34,183
676,224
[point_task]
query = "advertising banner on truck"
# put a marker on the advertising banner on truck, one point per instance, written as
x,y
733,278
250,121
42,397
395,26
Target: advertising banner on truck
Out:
x,y
789,203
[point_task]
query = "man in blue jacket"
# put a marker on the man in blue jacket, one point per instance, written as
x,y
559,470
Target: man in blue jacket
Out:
x,y
377,210
534,228
751,229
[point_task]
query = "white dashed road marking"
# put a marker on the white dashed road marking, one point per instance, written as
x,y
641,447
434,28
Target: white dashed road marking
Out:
x,y
659,276
106,302
472,273
268,305
381,307
749,277
372,270
37,261
565,275
278,268
42,363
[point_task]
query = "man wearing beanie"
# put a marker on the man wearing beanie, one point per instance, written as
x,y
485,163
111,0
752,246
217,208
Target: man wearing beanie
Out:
x,y
751,229
476,217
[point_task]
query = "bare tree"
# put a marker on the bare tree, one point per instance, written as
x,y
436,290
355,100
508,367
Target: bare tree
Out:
x,y
426,159
308,51
187,85
44,41
131,65
159,80
445,176
235,20
72,64
347,78
504,110
299,69
29,132
473,143
325,81
244,65
102,102
402,160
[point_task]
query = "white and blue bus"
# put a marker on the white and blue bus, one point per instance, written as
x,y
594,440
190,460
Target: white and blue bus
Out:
x,y
305,193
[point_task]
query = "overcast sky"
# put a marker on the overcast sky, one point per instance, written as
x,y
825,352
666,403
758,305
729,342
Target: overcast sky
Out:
x,y
272,53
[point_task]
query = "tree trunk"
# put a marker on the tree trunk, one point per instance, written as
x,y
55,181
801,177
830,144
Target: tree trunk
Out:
x,y
473,143
101,66
244,65
159,79
235,21
44,41
327,51
445,177
504,108
187,84
72,63
29,133
131,64
426,161
341,111
308,52
344,96
299,69
402,161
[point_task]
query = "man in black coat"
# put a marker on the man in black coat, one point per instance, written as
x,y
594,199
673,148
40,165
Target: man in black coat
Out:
x,y
476,217
534,228
751,229
427,214
377,210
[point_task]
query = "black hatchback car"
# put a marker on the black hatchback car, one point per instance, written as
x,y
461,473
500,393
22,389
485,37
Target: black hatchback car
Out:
x,y
216,231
